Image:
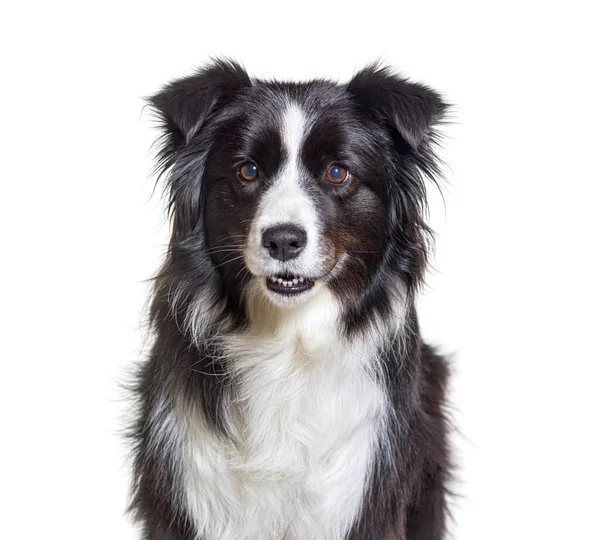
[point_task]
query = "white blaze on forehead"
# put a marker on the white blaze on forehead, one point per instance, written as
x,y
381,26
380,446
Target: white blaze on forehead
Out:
x,y
294,122
286,201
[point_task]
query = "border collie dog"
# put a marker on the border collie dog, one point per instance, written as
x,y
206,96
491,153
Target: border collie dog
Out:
x,y
288,393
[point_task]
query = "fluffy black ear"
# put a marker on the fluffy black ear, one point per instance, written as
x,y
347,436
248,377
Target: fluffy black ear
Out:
x,y
412,109
183,105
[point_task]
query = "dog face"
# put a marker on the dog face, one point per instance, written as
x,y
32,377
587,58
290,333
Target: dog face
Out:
x,y
297,191
288,188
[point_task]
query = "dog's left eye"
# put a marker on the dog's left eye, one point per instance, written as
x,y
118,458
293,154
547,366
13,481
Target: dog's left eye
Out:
x,y
337,174
248,172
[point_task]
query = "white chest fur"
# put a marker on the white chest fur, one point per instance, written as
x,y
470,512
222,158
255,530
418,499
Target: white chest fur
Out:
x,y
306,412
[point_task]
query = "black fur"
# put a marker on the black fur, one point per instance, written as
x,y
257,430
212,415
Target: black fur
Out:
x,y
382,127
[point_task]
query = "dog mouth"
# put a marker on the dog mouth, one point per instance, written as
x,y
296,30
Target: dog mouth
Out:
x,y
289,284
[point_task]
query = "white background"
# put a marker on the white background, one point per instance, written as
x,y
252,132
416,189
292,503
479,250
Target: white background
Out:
x,y
515,295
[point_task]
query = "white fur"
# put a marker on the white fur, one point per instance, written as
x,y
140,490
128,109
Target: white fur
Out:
x,y
306,416
286,202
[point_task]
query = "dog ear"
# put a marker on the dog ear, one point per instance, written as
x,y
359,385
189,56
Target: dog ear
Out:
x,y
183,106
411,109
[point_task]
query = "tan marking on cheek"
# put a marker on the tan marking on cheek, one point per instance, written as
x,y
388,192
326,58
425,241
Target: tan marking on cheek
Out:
x,y
336,242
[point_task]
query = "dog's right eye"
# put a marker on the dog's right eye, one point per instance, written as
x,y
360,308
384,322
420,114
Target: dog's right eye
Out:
x,y
248,172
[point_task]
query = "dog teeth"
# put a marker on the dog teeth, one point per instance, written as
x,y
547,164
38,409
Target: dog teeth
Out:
x,y
292,281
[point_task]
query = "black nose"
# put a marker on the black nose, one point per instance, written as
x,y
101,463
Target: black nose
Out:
x,y
284,242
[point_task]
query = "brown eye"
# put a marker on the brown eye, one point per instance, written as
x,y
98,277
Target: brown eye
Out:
x,y
248,172
337,174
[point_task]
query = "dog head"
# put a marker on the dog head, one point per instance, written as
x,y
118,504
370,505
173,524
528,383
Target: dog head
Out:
x,y
289,188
